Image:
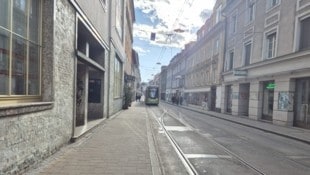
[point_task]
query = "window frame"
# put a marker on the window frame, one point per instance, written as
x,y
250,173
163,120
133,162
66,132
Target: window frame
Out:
x,y
270,6
300,48
231,60
216,46
118,77
251,10
273,31
271,45
245,44
119,18
218,14
297,34
12,97
233,23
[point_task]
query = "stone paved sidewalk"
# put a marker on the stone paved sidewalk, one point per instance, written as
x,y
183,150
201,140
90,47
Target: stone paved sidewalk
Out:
x,y
120,145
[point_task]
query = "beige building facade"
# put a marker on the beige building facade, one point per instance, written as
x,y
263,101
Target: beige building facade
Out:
x,y
266,70
251,59
203,85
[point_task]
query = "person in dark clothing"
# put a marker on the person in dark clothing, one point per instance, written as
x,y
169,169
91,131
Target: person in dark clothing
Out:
x,y
138,97
173,99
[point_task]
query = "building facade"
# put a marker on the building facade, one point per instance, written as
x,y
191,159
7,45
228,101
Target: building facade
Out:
x,y
266,75
252,63
117,55
129,66
136,71
176,77
203,84
59,63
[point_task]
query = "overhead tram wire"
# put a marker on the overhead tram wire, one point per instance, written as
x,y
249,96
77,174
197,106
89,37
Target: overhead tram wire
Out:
x,y
169,36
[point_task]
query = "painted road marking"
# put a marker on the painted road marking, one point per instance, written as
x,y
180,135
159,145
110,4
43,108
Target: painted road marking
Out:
x,y
208,156
177,128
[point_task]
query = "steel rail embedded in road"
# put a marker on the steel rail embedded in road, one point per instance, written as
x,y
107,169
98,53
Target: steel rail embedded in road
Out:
x,y
233,154
188,166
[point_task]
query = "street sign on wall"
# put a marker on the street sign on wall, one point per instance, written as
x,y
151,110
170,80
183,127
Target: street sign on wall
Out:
x,y
240,73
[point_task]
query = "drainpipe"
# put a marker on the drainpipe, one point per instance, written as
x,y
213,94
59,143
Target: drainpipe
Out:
x,y
74,75
223,63
225,42
109,57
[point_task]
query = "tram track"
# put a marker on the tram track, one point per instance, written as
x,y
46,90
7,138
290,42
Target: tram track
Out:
x,y
187,164
191,169
244,162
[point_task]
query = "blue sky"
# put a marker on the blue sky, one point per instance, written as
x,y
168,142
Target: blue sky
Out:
x,y
163,17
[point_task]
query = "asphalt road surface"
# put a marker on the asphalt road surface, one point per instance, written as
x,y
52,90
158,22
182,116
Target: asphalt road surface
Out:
x,y
193,143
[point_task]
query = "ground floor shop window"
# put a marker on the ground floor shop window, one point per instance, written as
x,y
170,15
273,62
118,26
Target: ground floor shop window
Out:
x,y
197,98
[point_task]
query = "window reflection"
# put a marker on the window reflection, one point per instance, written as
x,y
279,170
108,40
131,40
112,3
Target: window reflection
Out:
x,y
20,17
18,66
4,62
4,13
34,20
34,70
20,47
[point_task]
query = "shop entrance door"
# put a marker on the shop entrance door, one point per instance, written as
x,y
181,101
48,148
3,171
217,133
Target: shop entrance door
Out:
x,y
302,105
213,98
228,93
268,94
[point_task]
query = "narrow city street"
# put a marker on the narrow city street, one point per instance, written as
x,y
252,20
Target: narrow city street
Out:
x,y
214,146
169,139
155,87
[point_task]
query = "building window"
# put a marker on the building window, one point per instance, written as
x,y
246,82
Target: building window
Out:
x,y
214,75
231,60
271,45
251,10
304,43
272,3
118,77
119,17
233,24
216,46
20,49
218,14
247,53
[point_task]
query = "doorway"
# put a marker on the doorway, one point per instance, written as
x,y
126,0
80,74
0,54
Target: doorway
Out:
x,y
268,98
228,95
243,105
213,98
302,103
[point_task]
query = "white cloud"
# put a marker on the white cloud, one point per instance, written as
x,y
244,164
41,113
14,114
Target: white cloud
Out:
x,y
140,50
168,15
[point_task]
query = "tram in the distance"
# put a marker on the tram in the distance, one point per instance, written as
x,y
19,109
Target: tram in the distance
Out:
x,y
152,95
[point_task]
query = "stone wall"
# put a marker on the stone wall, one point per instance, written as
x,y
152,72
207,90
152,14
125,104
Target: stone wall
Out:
x,y
115,104
27,138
